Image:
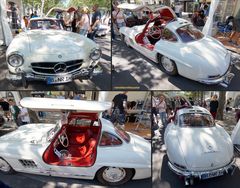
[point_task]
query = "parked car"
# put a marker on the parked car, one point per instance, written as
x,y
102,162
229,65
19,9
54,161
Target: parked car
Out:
x,y
81,145
197,147
44,23
179,48
52,56
105,23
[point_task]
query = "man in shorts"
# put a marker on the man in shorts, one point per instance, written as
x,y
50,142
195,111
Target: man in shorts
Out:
x,y
119,106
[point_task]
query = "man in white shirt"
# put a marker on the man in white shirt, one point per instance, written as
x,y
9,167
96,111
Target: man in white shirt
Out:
x,y
25,119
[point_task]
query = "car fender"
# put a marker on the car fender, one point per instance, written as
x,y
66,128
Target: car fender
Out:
x,y
174,152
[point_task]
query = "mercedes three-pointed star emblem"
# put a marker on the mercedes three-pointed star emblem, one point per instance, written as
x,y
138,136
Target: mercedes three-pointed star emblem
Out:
x,y
60,68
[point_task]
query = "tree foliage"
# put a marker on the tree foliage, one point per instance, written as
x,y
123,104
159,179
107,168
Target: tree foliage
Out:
x,y
48,4
101,3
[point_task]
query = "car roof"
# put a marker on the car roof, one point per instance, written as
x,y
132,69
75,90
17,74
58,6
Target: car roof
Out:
x,y
133,7
43,18
179,22
53,104
193,109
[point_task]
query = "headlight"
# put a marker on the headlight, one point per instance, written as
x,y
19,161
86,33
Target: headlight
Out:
x,y
95,54
15,60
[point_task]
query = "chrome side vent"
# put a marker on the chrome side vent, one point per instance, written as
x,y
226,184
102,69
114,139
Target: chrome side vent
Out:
x,y
28,163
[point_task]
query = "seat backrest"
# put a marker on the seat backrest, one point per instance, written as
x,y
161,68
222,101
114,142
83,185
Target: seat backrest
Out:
x,y
91,146
77,138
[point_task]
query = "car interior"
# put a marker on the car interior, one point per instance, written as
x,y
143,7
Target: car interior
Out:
x,y
76,143
154,29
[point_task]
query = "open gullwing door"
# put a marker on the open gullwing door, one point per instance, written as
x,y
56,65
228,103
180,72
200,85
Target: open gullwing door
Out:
x,y
53,104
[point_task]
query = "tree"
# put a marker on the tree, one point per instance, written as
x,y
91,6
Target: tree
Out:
x,y
47,5
221,104
101,3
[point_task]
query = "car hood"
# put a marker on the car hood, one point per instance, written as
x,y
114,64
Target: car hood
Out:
x,y
31,133
205,148
216,54
57,42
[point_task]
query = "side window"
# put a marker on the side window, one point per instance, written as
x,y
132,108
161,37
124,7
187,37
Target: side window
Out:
x,y
169,36
109,139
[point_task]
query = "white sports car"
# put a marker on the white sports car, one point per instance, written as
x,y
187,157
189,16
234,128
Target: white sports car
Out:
x,y
179,48
47,54
197,147
81,145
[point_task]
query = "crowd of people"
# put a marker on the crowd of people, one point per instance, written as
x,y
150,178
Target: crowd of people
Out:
x,y
163,110
81,20
13,113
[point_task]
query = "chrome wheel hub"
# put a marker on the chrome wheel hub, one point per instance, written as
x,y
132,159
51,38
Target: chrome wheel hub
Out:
x,y
4,166
167,64
112,174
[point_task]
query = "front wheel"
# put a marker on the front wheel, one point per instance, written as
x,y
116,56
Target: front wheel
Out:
x,y
5,168
168,65
114,175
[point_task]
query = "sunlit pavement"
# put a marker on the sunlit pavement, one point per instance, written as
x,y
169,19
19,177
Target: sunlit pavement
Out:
x,y
98,82
163,177
22,180
134,71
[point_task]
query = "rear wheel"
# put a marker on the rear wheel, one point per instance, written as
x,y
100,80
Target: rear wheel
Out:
x,y
167,65
5,167
114,175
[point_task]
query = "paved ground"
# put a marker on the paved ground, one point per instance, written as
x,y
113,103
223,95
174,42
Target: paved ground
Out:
x,y
99,82
22,180
134,71
163,177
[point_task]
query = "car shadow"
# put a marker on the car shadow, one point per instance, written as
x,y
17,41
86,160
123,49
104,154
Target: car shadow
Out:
x,y
131,84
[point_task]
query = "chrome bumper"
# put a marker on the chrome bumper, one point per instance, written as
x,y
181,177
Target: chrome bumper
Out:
x,y
85,72
223,80
197,174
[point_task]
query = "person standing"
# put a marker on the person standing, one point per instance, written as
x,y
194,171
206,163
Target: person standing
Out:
x,y
14,111
118,17
24,116
162,108
178,9
228,104
96,20
235,35
5,107
155,103
119,106
84,23
214,106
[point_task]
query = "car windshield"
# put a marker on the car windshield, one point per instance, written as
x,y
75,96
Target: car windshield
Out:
x,y
44,24
196,120
51,133
189,33
123,134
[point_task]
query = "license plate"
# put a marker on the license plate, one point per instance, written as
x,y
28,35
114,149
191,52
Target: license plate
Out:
x,y
228,78
212,174
59,79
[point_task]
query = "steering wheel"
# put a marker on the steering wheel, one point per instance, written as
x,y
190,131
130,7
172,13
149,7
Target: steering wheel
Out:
x,y
63,139
153,31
